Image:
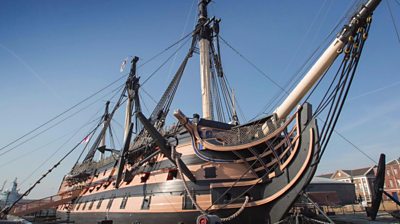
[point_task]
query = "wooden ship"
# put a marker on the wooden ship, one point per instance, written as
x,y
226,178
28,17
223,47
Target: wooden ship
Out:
x,y
204,170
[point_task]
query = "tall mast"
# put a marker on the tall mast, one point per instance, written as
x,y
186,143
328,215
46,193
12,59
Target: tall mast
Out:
x,y
132,91
205,74
103,139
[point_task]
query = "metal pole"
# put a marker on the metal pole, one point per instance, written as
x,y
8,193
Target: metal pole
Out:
x,y
318,208
391,197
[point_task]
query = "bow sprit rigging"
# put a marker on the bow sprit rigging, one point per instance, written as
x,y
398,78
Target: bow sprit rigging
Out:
x,y
250,173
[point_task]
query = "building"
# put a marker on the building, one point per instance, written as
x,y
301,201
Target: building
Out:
x,y
361,178
392,179
328,192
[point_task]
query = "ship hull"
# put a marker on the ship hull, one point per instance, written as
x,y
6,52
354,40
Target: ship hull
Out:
x,y
249,215
270,199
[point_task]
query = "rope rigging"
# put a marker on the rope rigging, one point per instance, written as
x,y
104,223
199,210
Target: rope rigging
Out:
x,y
47,144
393,20
81,102
221,102
164,63
59,148
275,100
6,210
336,97
50,127
224,103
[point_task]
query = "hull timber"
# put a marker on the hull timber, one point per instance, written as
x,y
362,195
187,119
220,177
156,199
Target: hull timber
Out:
x,y
150,196
165,218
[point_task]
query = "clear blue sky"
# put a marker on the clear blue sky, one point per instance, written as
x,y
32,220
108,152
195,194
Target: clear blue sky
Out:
x,y
55,53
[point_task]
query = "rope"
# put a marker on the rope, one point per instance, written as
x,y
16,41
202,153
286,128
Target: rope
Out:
x,y
164,63
393,20
348,75
52,126
43,146
165,50
234,215
187,188
86,99
6,210
59,115
252,64
237,213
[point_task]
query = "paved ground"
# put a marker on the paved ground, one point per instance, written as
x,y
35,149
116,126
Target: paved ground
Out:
x,y
359,218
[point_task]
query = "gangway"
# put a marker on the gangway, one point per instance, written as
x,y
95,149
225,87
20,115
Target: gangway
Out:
x,y
44,203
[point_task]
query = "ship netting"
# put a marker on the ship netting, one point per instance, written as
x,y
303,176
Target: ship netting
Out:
x,y
244,134
240,135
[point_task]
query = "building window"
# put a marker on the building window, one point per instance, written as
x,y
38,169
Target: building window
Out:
x,y
391,183
395,171
124,201
77,207
146,202
99,203
388,172
398,183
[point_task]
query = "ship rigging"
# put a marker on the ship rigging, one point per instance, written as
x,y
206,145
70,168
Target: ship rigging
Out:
x,y
230,170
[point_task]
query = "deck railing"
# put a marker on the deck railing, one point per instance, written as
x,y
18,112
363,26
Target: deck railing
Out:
x,y
44,203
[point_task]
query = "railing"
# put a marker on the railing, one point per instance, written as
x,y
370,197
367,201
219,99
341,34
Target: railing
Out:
x,y
44,203
92,165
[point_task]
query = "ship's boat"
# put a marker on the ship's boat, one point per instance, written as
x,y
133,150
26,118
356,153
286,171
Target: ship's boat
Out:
x,y
204,169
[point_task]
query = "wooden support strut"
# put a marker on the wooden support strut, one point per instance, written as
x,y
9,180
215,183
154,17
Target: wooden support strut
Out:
x,y
162,144
121,163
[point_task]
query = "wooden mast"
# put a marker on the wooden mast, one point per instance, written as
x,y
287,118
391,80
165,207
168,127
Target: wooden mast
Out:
x,y
326,59
205,74
103,139
132,81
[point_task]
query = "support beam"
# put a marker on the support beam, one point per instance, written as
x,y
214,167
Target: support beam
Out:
x,y
121,162
162,144
318,208
391,197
